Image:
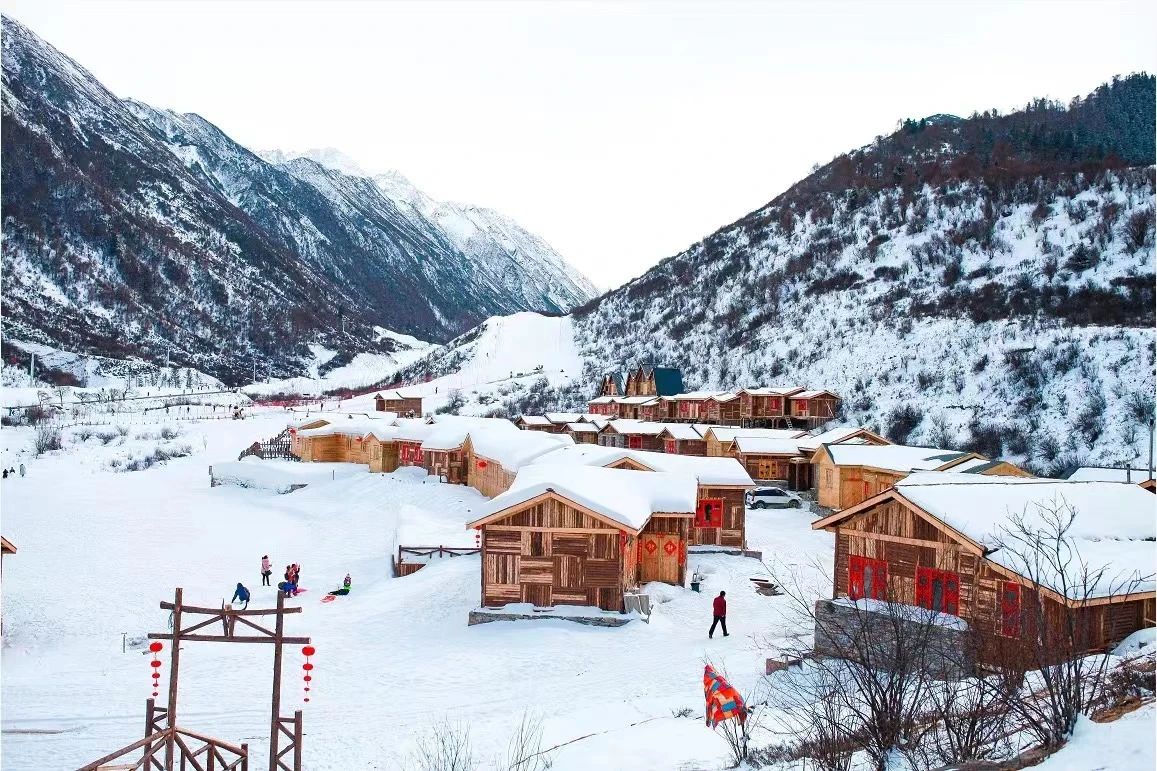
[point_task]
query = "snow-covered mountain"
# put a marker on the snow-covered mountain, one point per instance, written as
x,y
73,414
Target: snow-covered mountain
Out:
x,y
984,283
132,231
525,266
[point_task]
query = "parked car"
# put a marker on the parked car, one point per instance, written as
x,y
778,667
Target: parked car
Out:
x,y
772,498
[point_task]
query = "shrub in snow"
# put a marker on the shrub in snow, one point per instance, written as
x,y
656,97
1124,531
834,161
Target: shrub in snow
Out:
x,y
106,437
84,434
444,746
169,432
47,438
122,430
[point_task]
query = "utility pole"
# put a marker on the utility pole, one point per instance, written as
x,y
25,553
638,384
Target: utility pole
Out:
x,y
1150,446
32,367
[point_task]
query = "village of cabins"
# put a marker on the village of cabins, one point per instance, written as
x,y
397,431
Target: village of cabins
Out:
x,y
587,507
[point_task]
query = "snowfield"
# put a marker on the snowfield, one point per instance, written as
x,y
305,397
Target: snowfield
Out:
x,y
99,550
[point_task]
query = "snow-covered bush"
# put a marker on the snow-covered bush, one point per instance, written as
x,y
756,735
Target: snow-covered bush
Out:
x,y
47,438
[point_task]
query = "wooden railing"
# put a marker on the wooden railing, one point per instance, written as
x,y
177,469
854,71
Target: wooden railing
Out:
x,y
211,755
403,568
277,447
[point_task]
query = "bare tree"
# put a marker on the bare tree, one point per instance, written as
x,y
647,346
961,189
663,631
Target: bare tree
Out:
x,y
444,746
1049,665
525,752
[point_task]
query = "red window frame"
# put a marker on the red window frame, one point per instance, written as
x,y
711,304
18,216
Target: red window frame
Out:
x,y
709,512
1010,604
773,405
634,442
867,577
929,581
670,446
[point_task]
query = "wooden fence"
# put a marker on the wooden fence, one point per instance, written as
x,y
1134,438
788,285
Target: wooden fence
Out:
x,y
420,556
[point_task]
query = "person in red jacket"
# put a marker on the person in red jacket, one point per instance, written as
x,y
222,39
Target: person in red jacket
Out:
x,y
719,607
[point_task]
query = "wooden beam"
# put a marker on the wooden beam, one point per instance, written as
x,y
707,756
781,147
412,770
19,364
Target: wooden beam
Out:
x,y
174,674
218,611
236,750
223,638
522,528
125,750
868,534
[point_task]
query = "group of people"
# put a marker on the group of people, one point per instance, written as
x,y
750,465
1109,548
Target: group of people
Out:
x,y
290,586
292,578
11,472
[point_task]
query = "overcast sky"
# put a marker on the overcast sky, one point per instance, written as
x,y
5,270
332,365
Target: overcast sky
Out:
x,y
621,133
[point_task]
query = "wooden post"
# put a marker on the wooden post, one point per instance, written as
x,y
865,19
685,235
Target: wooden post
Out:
x,y
274,725
150,706
174,665
297,735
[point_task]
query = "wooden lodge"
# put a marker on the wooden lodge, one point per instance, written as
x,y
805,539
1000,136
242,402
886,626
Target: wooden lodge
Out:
x,y
774,460
632,434
493,458
622,397
649,380
721,485
583,536
932,541
721,439
765,407
685,438
813,408
583,433
381,450
534,423
551,422
405,404
847,474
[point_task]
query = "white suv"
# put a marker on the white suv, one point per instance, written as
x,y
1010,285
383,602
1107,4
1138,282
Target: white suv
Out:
x,y
772,498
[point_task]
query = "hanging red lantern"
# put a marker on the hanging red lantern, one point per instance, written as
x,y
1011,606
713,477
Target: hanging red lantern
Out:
x,y
307,678
156,647
309,650
481,464
154,663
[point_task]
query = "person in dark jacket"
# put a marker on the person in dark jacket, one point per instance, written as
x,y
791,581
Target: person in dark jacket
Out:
x,y
719,608
346,585
241,594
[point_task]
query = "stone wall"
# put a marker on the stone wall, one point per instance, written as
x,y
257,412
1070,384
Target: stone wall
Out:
x,y
900,633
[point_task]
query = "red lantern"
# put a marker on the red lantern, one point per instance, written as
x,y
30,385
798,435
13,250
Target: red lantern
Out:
x,y
481,464
307,678
156,647
154,663
309,650
307,666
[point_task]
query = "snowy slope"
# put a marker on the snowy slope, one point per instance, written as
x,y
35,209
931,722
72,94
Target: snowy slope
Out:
x,y
516,261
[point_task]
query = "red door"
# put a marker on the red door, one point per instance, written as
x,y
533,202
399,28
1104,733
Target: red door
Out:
x,y
1010,609
867,578
670,446
938,590
635,442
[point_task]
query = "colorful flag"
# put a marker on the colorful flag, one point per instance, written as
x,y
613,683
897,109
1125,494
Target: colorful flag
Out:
x,y
723,701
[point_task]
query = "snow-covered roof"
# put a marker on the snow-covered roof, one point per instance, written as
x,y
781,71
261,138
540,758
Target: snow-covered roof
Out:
x,y
728,433
636,399
1101,474
686,430
762,445
582,428
629,426
535,420
700,395
346,427
443,437
811,394
558,418
600,421
972,465
413,429
383,433
892,457
629,498
399,393
836,435
1114,525
302,422
707,471
515,450
772,391
602,400
725,396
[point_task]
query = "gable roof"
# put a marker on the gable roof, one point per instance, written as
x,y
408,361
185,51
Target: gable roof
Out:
x,y
813,394
761,445
616,378
682,431
582,428
772,391
535,420
1114,525
707,471
728,433
558,418
515,450
840,435
6,546
398,393
627,498
892,457
631,426
668,380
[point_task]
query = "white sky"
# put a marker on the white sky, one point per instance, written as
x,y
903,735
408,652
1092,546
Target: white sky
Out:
x,y
621,133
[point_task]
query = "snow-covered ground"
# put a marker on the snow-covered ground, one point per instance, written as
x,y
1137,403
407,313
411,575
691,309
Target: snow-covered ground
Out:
x,y
98,550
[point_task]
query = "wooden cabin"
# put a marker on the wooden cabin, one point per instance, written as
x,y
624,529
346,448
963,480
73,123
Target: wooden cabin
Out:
x,y
847,474
649,380
583,433
603,405
929,541
721,439
494,457
722,408
692,407
404,403
446,452
684,438
632,434
381,450
534,423
1150,485
1000,468
764,406
1128,475
612,385
721,486
774,460
813,408
583,536
295,429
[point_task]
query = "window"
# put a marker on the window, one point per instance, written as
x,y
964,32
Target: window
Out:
x,y
867,578
635,442
829,476
938,590
709,513
1009,601
670,446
